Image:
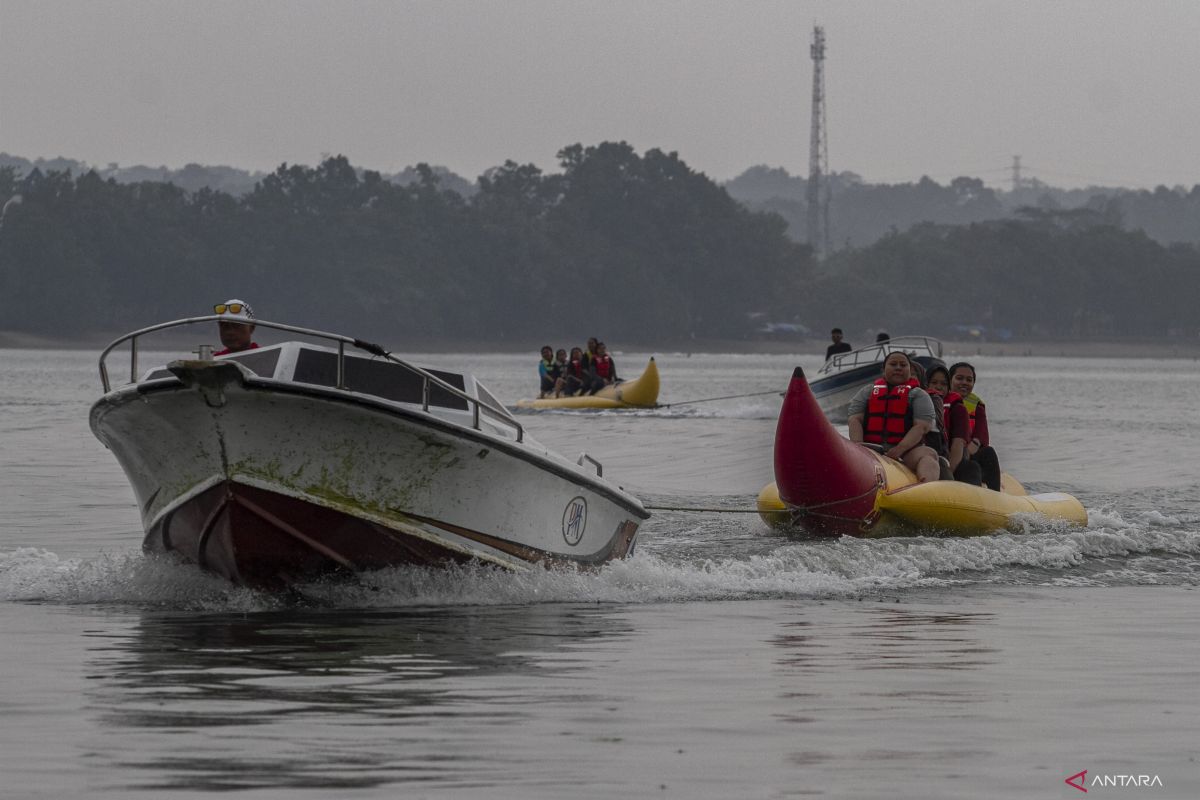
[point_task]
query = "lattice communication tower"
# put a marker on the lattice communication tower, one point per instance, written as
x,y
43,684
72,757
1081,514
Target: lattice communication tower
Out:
x,y
818,153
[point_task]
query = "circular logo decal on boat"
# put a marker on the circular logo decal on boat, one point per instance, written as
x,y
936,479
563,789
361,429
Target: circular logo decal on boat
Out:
x,y
574,520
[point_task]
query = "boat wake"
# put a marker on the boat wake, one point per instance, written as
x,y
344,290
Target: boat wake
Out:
x,y
39,576
680,559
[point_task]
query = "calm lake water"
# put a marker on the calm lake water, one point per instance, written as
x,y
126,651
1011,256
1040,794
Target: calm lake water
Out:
x,y
721,661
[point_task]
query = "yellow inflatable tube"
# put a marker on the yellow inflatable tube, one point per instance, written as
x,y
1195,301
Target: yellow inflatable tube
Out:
x,y
641,392
906,507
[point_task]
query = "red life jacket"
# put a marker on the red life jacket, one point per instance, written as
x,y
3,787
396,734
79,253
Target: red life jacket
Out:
x,y
575,368
603,366
888,416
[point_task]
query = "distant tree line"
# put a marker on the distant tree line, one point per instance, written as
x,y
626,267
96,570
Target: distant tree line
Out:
x,y
628,246
634,248
1044,274
861,213
195,177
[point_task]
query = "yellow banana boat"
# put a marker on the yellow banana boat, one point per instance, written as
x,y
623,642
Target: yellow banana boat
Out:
x,y
831,486
641,392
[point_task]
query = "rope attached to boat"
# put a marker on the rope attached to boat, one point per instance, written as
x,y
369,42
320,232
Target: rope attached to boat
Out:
x,y
712,399
808,510
799,511
703,510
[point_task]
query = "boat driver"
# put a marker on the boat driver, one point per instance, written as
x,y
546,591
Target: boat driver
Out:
x,y
838,345
236,326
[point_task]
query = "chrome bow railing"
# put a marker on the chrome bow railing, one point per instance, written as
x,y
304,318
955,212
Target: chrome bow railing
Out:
x,y
428,380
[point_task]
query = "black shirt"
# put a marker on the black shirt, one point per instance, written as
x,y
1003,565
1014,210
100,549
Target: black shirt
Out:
x,y
834,349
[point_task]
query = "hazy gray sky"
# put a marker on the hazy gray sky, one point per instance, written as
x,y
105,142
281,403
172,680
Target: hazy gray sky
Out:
x,y
1084,91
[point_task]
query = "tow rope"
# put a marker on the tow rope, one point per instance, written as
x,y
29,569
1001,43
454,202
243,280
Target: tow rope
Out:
x,y
703,510
726,397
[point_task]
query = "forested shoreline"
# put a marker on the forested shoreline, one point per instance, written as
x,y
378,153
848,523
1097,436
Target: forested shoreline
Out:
x,y
639,248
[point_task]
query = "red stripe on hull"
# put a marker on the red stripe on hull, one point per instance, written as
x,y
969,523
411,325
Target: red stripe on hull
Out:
x,y
828,479
260,538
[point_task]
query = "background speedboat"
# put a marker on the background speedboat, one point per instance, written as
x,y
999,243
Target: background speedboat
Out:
x,y
844,374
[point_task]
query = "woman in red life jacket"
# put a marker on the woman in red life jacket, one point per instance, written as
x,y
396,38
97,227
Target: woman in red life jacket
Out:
x,y
576,375
956,427
896,414
962,381
604,368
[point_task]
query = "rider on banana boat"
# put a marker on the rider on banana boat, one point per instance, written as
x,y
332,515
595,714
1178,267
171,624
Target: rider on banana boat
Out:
x,y
962,380
576,375
549,371
956,427
604,367
896,414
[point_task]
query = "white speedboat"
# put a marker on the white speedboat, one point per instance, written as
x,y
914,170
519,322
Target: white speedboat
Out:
x,y
843,375
284,463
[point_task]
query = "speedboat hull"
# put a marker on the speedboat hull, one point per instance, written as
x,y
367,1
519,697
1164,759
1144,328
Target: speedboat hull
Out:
x,y
827,485
269,483
641,392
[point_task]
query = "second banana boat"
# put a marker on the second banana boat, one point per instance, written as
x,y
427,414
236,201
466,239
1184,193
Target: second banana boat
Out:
x,y
640,392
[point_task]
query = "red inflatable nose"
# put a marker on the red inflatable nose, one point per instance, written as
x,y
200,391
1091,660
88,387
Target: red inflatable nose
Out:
x,y
819,470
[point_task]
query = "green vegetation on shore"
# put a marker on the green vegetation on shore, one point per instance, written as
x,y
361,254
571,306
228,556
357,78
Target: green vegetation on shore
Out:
x,y
637,247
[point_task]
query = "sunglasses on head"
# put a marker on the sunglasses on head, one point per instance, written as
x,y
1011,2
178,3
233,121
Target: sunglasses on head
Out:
x,y
232,308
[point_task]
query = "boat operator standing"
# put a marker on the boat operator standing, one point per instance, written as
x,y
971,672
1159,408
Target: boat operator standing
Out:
x,y
838,345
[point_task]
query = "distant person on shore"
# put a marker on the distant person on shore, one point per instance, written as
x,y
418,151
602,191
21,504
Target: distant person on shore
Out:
x,y
882,337
235,326
962,381
838,345
897,414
